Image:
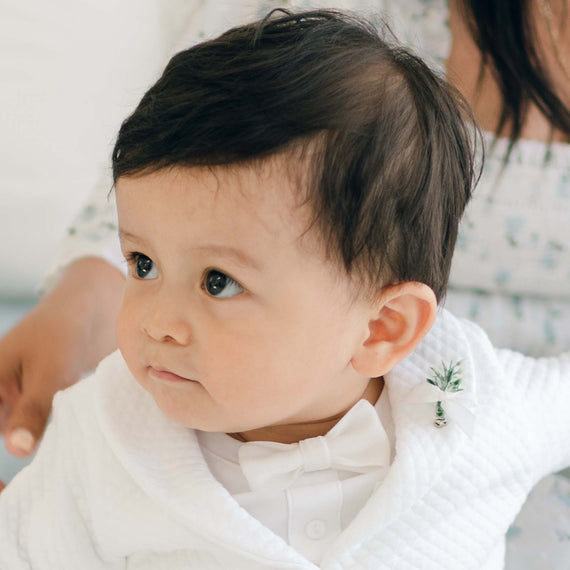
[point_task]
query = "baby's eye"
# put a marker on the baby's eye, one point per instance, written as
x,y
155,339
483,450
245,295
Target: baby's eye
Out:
x,y
220,285
144,267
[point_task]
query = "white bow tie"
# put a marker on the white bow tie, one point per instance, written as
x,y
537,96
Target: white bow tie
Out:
x,y
358,443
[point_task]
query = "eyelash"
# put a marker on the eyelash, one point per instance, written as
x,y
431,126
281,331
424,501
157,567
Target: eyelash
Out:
x,y
131,257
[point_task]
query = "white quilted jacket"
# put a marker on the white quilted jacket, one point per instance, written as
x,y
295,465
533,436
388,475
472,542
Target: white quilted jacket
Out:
x,y
115,485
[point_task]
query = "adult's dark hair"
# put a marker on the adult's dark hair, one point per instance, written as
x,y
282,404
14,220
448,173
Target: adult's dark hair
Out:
x,y
505,33
391,158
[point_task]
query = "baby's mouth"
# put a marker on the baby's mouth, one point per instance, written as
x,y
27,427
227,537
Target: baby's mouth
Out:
x,y
165,375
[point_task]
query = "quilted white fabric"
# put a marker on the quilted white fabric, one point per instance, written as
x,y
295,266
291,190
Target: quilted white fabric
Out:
x,y
117,485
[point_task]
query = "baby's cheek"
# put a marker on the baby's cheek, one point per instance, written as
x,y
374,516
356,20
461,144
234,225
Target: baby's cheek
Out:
x,y
129,343
125,327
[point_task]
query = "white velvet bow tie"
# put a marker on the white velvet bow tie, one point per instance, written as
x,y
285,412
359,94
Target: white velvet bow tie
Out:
x,y
358,443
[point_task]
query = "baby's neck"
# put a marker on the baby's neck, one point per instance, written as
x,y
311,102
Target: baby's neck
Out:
x,y
292,433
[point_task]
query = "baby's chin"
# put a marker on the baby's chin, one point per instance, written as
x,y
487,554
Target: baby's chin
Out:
x,y
196,417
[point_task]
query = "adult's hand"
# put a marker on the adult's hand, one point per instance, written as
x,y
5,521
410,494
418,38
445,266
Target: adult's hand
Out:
x,y
64,335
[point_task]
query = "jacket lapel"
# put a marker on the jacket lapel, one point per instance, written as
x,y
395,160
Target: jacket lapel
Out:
x,y
423,451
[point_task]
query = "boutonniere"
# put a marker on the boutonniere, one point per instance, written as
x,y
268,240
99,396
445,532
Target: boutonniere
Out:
x,y
445,390
447,381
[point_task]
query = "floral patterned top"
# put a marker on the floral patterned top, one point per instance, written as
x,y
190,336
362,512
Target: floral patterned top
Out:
x,y
511,271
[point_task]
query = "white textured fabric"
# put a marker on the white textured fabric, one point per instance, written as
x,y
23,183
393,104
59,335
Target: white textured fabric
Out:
x,y
117,485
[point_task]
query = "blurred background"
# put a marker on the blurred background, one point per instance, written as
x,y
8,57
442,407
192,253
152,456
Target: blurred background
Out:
x,y
70,71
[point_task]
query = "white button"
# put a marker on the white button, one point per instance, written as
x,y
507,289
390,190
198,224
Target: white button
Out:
x,y
316,529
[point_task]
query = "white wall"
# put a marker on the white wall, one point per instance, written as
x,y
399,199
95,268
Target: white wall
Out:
x,y
70,72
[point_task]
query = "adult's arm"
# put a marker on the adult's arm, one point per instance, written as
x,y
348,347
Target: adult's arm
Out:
x,y
66,334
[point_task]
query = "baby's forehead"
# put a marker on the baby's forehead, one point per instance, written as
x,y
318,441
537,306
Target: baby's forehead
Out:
x,y
272,193
270,190
278,185
290,171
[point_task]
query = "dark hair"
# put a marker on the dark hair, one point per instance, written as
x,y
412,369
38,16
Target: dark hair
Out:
x,y
505,33
391,164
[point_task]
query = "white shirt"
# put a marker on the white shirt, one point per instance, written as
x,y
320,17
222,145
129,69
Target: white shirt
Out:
x,y
312,512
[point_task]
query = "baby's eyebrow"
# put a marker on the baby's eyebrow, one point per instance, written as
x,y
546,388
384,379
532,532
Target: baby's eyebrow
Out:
x,y
124,234
237,255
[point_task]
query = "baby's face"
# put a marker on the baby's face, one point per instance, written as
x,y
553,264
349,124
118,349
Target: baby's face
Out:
x,y
231,320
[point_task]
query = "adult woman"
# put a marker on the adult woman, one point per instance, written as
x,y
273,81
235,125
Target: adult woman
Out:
x,y
510,60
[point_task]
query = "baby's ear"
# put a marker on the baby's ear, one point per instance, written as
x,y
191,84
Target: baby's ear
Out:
x,y
400,318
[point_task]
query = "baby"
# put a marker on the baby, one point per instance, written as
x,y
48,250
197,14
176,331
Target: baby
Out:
x,y
287,394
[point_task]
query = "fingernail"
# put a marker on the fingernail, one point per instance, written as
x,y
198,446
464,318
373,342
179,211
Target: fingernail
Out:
x,y
22,439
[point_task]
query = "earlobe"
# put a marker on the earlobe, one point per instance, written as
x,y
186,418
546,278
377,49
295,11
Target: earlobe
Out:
x,y
399,320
